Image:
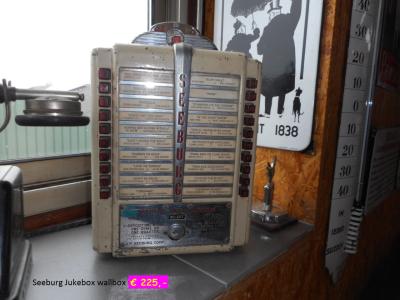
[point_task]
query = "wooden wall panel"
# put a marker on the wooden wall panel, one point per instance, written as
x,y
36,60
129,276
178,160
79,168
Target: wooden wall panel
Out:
x,y
386,109
57,217
304,183
209,19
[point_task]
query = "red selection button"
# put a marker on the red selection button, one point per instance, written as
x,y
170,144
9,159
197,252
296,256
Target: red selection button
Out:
x,y
104,101
105,168
104,74
245,168
104,115
105,88
243,191
244,180
105,193
251,83
247,145
246,156
176,39
248,121
104,155
251,96
105,181
105,142
104,128
249,108
248,133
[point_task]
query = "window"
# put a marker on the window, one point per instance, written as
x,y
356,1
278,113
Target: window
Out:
x,y
48,47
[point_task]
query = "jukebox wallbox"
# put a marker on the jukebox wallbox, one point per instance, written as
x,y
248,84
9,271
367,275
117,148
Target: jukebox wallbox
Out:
x,y
174,136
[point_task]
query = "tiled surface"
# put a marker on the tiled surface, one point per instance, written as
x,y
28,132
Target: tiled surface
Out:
x,y
68,255
262,247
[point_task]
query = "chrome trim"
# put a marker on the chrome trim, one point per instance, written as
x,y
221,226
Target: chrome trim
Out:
x,y
52,107
183,68
222,150
145,185
208,197
212,100
212,138
144,174
145,97
129,122
167,111
160,39
146,122
214,113
155,84
148,161
208,74
135,135
209,185
165,198
194,125
155,149
214,87
149,70
137,123
215,173
210,162
32,94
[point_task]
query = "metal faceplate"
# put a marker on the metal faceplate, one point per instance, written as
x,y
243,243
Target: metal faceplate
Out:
x,y
161,34
172,225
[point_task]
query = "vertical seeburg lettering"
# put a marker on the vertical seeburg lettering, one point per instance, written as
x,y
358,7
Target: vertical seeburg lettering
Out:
x,y
183,65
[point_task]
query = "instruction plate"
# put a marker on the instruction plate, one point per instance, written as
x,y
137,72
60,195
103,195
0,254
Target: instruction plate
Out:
x,y
146,226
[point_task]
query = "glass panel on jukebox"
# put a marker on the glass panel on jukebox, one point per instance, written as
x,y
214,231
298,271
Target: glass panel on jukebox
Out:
x,y
174,129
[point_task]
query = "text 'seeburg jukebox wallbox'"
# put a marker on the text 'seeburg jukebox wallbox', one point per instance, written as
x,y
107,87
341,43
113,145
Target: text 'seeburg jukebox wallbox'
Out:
x,y
174,137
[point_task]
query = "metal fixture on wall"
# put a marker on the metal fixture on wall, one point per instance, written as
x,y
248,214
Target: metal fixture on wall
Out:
x,y
267,216
182,11
43,107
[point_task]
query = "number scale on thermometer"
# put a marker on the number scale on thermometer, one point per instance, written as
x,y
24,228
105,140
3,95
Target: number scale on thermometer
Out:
x,y
346,203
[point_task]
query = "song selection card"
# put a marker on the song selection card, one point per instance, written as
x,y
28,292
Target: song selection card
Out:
x,y
146,139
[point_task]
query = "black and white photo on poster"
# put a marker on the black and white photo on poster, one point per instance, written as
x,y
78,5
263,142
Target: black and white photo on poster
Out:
x,y
284,36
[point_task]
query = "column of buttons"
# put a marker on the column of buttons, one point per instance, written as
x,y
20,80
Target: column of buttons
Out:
x,y
247,136
104,89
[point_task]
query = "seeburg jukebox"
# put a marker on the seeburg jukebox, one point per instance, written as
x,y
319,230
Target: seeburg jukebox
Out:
x,y
174,137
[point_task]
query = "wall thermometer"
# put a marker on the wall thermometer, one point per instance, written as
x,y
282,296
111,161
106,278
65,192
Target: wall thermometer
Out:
x,y
348,185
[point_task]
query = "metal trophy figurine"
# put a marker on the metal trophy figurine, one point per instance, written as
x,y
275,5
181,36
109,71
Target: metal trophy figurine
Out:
x,y
267,216
269,187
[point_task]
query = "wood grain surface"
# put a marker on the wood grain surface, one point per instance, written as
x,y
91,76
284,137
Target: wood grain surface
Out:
x,y
57,217
209,19
304,183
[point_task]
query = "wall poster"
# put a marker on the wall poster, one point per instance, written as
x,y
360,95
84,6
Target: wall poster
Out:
x,y
284,35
